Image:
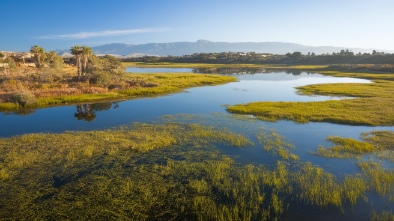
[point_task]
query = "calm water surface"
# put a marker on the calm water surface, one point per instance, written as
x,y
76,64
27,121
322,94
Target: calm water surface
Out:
x,y
208,103
205,105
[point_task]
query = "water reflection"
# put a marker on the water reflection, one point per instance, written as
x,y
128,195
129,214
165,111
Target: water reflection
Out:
x,y
87,112
294,72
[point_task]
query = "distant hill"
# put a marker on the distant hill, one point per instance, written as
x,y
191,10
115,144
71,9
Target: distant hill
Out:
x,y
204,46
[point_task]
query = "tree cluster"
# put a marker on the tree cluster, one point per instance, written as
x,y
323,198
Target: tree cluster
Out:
x,y
295,58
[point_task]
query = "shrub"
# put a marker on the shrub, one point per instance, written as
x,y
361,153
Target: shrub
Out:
x,y
24,97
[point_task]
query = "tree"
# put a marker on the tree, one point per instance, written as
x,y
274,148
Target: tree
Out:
x,y
54,60
296,54
86,53
77,52
82,55
39,55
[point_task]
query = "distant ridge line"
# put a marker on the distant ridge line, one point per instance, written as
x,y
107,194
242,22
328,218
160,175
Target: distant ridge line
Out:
x,y
205,46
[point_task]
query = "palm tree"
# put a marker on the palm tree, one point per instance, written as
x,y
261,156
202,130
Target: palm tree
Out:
x,y
39,55
77,52
86,53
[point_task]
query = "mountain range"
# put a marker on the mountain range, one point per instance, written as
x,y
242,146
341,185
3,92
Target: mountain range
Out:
x,y
204,46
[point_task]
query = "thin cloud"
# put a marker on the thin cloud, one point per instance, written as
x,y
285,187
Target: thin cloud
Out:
x,y
84,35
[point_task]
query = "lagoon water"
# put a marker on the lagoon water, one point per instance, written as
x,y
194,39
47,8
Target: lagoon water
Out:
x,y
202,100
206,105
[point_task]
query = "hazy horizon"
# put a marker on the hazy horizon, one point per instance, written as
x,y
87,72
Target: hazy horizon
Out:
x,y
63,23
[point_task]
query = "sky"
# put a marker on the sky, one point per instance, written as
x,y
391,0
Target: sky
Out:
x,y
60,24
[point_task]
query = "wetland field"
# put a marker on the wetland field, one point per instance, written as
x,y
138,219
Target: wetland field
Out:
x,y
205,142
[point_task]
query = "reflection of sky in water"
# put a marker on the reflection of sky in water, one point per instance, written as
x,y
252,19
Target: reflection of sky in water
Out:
x,y
206,103
201,100
265,87
162,70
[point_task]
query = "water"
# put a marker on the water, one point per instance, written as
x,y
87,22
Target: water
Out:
x,y
161,70
206,102
205,105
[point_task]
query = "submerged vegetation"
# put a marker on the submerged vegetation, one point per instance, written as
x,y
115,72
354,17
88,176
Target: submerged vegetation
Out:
x,y
378,143
276,144
371,106
166,171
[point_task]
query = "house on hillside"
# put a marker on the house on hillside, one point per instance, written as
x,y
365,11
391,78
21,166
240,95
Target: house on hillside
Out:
x,y
19,57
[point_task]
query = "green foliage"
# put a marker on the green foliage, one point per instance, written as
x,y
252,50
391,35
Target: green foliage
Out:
x,y
39,55
24,98
54,60
378,143
273,142
105,70
372,107
345,148
380,180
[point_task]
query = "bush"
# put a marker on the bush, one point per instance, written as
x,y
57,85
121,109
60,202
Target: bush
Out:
x,y
24,97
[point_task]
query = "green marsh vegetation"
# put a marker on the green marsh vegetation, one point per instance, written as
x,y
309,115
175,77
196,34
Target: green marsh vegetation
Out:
x,y
379,143
169,171
372,103
276,144
85,78
378,177
136,85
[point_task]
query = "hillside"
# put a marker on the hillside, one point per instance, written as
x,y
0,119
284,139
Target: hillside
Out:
x,y
204,46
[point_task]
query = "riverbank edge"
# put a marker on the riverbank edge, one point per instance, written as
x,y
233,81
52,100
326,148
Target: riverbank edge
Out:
x,y
193,80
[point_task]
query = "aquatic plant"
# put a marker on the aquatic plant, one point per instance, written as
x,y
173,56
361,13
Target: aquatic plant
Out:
x,y
169,171
276,144
378,143
379,180
345,148
383,216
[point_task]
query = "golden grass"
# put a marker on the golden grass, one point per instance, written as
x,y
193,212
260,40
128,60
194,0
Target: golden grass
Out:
x,y
345,148
162,172
378,143
163,84
373,105
276,144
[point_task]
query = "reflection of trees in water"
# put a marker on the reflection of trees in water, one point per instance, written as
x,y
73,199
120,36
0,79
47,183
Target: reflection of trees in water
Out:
x,y
23,112
294,72
87,112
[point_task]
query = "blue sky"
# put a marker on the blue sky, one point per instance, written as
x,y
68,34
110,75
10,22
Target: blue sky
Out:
x,y
60,24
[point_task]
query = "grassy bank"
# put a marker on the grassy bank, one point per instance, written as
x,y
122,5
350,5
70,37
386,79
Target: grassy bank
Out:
x,y
372,104
379,144
141,85
166,172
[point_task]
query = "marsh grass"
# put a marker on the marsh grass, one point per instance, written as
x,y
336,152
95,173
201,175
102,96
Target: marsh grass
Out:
x,y
383,216
378,143
380,180
168,171
276,144
158,84
372,104
345,148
